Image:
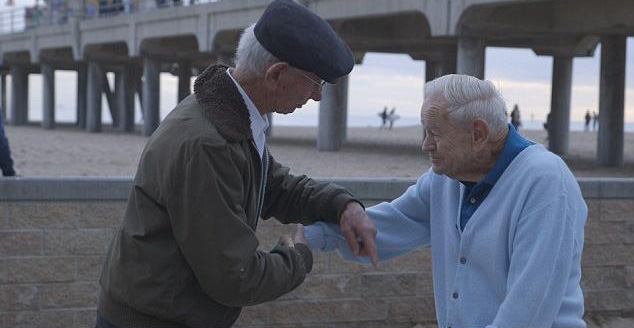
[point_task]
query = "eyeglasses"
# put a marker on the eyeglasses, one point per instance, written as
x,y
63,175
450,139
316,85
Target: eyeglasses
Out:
x,y
320,84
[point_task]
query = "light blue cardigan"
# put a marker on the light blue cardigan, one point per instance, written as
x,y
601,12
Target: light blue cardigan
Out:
x,y
518,261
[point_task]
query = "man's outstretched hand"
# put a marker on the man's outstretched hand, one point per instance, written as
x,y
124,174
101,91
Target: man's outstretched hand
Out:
x,y
359,231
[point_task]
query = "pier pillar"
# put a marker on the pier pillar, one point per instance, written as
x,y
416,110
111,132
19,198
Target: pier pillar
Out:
x,y
125,86
332,111
95,90
470,59
19,95
433,70
559,123
184,80
151,93
82,91
3,95
48,96
611,101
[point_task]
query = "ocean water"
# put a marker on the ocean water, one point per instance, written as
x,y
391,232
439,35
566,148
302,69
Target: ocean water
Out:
x,y
302,119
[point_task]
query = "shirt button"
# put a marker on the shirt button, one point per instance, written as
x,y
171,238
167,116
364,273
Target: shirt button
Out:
x,y
463,260
455,295
472,200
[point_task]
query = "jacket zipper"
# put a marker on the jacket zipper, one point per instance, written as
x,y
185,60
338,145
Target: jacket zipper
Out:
x,y
264,165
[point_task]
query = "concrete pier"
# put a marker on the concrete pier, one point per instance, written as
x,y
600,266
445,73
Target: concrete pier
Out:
x,y
19,95
48,97
111,98
433,69
184,80
151,93
82,91
470,59
125,86
333,108
559,124
611,101
3,96
95,90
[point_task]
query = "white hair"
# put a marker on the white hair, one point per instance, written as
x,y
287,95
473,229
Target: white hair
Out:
x,y
469,98
252,60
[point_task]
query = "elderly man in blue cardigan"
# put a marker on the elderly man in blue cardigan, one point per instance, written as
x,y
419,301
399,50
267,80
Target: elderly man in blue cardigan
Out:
x,y
504,217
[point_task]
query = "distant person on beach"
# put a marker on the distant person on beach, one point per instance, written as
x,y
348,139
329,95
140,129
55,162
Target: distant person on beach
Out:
x,y
392,117
6,163
595,120
504,217
587,118
515,117
186,253
383,116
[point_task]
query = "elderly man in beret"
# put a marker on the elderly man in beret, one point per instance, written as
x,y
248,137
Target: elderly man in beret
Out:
x,y
186,253
504,217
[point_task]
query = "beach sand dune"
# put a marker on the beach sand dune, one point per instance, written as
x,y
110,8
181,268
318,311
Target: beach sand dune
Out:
x,y
368,152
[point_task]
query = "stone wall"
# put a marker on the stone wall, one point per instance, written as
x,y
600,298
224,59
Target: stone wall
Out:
x,y
54,233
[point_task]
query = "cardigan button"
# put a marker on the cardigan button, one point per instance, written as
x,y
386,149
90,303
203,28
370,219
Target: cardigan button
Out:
x,y
472,200
463,260
455,295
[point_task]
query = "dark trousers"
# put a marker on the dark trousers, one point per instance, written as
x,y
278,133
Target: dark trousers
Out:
x,y
103,323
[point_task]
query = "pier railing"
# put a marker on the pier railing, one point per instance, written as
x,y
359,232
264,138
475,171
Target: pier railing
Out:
x,y
60,12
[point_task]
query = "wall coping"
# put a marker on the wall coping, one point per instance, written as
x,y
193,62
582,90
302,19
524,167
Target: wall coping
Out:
x,y
118,188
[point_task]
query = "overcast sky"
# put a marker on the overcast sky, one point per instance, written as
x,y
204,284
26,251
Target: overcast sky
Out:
x,y
396,80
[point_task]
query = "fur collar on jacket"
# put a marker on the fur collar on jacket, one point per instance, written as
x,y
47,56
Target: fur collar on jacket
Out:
x,y
222,103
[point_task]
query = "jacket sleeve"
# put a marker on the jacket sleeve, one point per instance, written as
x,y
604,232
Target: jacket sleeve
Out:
x,y
299,199
209,225
402,226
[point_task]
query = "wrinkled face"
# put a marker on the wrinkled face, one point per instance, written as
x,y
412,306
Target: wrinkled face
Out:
x,y
449,145
295,89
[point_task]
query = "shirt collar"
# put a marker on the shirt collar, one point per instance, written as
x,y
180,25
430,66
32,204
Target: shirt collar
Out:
x,y
513,145
259,122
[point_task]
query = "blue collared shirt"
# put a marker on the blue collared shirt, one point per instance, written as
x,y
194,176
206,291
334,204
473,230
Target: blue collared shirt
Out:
x,y
475,193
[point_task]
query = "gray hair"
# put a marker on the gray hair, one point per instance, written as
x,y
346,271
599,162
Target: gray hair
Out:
x,y
252,60
470,98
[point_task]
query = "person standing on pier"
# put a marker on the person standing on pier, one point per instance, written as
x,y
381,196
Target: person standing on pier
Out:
x,y
6,162
186,253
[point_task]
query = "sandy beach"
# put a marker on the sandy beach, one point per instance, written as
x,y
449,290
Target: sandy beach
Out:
x,y
368,152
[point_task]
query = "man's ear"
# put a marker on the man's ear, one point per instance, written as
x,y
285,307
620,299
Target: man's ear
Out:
x,y
481,132
274,74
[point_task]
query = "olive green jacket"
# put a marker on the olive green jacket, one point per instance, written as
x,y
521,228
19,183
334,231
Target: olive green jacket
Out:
x,y
186,251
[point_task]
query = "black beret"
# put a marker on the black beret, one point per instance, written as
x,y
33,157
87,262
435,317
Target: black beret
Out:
x,y
296,35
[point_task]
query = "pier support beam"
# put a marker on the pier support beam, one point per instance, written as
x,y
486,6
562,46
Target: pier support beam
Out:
x,y
611,101
151,93
333,109
470,59
184,80
82,91
3,96
125,86
559,123
48,96
95,90
19,95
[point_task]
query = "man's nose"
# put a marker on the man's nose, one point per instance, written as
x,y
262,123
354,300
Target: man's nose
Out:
x,y
428,145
